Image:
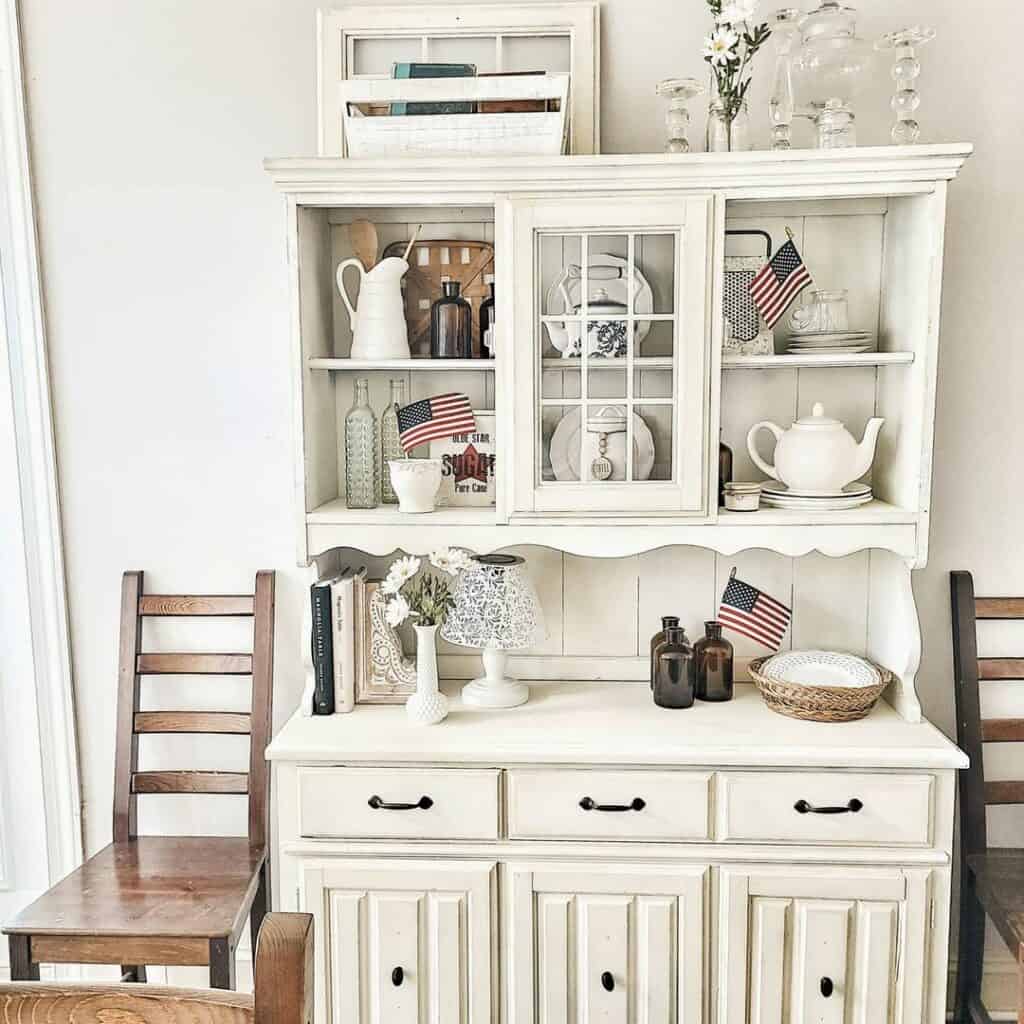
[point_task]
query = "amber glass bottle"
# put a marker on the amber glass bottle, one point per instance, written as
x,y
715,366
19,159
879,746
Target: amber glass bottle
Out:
x,y
712,655
673,671
667,623
451,325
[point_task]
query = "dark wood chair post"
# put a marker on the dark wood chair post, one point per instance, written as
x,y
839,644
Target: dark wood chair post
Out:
x,y
126,757
261,727
283,970
973,835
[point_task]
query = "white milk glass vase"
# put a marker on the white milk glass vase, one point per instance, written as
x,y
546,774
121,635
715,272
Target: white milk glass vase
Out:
x,y
427,706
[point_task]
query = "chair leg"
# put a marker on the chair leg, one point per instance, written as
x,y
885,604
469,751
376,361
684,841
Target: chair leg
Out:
x,y
222,964
22,968
134,973
259,907
971,949
1020,984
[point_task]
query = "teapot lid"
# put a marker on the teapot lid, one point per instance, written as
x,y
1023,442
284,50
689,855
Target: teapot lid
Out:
x,y
817,418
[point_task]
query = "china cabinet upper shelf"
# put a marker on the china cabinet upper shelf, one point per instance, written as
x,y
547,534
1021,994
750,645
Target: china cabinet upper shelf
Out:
x,y
611,387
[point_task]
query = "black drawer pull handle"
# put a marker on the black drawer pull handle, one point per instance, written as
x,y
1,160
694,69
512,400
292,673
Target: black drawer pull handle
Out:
x,y
607,981
423,804
637,804
397,976
803,807
827,988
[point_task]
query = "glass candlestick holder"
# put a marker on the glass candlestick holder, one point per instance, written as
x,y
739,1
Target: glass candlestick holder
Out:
x,y
906,99
781,102
678,92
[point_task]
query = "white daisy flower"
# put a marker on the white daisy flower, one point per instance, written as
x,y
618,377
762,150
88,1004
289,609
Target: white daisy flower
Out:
x,y
737,11
402,570
718,47
450,560
396,611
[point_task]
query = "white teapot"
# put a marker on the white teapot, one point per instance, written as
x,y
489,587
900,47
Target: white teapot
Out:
x,y
817,454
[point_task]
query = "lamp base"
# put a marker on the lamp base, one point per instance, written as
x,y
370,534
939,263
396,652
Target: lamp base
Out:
x,y
495,689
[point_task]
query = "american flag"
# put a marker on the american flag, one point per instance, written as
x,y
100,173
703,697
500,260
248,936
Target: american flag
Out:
x,y
747,610
431,418
777,283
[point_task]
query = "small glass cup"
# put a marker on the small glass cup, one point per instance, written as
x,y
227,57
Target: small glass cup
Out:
x,y
825,312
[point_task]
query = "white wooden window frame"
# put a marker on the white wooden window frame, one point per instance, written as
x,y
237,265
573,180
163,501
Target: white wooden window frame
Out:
x,y
24,339
579,20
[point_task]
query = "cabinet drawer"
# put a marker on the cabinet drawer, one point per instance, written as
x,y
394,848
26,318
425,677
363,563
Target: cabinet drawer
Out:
x,y
374,803
826,807
552,804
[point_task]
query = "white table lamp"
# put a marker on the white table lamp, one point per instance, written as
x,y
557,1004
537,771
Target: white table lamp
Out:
x,y
496,609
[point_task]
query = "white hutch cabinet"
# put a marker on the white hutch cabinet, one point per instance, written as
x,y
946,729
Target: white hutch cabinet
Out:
x,y
588,856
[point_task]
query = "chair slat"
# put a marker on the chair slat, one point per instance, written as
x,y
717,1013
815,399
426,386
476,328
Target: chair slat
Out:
x,y
1003,730
195,664
999,607
1004,792
190,782
222,722
190,604
1001,668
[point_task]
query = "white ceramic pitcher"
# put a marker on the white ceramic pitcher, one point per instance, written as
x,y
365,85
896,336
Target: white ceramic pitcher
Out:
x,y
378,325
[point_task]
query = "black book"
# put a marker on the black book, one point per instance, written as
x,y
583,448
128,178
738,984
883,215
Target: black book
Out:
x,y
323,648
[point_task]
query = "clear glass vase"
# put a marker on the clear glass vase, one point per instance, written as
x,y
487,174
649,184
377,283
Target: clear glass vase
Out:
x,y
781,102
362,454
724,135
390,445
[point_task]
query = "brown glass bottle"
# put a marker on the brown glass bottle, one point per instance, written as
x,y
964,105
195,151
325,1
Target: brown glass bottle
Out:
x,y
712,656
673,671
667,622
724,471
451,325
487,322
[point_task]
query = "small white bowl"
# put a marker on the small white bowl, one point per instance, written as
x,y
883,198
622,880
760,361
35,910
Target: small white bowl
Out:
x,y
742,497
416,482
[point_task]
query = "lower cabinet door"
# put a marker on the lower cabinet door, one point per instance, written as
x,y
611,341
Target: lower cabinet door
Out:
x,y
590,943
403,942
823,946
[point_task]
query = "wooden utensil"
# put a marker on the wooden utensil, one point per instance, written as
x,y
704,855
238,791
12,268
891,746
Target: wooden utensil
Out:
x,y
363,236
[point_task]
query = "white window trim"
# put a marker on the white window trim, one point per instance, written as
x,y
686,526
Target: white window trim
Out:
x,y
37,464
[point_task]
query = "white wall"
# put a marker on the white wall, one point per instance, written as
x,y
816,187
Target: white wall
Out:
x,y
162,245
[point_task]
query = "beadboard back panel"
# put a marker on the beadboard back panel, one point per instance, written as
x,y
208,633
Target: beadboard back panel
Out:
x,y
602,612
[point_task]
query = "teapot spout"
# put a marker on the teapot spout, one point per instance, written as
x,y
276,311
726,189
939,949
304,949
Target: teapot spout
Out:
x,y
866,448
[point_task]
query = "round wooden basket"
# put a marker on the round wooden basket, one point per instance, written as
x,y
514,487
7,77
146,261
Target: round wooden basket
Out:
x,y
818,703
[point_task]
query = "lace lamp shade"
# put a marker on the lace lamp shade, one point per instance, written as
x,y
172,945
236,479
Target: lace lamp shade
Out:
x,y
496,609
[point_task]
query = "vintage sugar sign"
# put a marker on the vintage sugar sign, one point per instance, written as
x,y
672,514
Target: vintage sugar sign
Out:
x,y
467,474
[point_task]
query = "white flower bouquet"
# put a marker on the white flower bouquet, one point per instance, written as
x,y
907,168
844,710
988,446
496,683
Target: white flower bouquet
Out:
x,y
729,49
425,597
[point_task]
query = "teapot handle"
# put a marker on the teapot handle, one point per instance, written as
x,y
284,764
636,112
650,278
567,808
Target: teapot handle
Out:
x,y
752,449
339,276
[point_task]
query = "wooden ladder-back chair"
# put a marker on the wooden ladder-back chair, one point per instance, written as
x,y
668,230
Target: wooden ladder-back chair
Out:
x,y
991,880
170,900
283,983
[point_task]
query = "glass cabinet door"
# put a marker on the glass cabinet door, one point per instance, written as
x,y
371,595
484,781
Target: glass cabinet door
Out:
x,y
610,346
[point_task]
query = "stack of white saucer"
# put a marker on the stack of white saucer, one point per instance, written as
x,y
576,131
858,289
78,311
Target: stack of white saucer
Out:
x,y
778,495
836,342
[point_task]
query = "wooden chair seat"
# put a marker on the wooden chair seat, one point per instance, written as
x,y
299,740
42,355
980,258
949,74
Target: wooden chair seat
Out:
x,y
153,887
999,885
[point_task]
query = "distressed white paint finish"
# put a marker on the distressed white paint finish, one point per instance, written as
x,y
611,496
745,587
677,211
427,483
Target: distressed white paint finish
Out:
x,y
433,921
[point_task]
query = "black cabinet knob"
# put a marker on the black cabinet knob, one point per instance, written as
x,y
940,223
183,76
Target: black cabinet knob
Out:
x,y
397,976
827,988
607,981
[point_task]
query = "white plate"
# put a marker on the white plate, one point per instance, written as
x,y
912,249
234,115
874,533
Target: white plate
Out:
x,y
778,489
829,335
830,343
822,668
618,291
838,350
565,449
814,504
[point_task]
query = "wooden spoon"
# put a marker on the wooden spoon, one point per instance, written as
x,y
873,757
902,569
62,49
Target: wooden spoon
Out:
x,y
363,236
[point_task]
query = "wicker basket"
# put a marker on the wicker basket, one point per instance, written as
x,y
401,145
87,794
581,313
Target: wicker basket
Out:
x,y
818,703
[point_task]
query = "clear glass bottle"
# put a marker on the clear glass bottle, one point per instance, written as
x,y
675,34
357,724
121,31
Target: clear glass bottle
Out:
x,y
362,452
390,445
724,136
712,656
781,102
667,622
451,325
487,321
673,671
